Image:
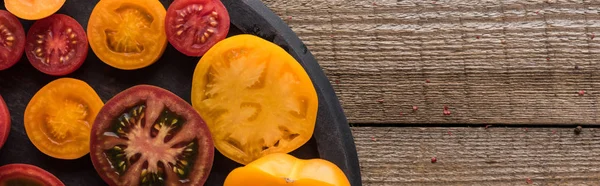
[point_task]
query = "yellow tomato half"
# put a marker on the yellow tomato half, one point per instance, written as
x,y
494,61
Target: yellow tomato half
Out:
x,y
255,97
59,117
128,34
33,9
285,170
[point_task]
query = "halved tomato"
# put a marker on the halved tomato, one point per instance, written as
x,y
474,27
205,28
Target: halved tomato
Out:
x,y
4,122
59,118
147,135
281,169
25,174
255,97
33,9
129,34
12,40
56,45
193,26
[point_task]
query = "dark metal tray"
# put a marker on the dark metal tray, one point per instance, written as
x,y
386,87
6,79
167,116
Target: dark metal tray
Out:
x,y
332,139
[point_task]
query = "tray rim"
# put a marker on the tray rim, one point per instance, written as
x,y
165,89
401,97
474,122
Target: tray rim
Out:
x,y
287,38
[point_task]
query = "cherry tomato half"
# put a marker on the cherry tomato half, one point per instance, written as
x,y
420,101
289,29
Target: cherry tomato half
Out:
x,y
25,174
4,122
33,9
128,34
59,118
255,97
12,40
193,26
56,45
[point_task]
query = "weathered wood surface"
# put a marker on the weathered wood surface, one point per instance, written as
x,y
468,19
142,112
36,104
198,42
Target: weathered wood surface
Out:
x,y
489,61
476,156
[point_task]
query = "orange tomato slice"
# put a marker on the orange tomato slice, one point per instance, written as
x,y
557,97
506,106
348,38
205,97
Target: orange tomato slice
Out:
x,y
128,34
255,97
285,170
33,9
59,117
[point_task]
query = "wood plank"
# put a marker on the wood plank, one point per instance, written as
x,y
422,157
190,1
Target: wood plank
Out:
x,y
478,156
489,61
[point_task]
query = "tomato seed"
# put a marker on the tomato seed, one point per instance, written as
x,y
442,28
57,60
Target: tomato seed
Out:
x,y
578,130
528,181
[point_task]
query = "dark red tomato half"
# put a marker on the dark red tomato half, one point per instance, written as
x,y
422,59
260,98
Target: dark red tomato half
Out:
x,y
194,26
147,135
12,40
25,174
4,122
56,45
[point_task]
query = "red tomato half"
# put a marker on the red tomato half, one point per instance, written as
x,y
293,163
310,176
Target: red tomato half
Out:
x,y
25,174
4,122
56,45
194,26
12,40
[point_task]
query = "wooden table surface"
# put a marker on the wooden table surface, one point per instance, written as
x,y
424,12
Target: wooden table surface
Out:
x,y
530,69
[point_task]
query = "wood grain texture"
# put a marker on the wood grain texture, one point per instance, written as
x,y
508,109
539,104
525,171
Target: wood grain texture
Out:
x,y
476,156
489,61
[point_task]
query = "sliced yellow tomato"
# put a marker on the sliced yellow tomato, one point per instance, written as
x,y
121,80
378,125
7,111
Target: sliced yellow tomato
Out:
x,y
285,170
33,9
255,97
59,117
128,34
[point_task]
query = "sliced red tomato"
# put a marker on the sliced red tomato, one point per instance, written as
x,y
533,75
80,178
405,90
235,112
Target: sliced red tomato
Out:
x,y
33,9
193,26
147,135
56,45
4,122
12,40
25,174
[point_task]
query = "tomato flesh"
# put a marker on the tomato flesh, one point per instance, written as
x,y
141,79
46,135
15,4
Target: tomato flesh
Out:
x,y
255,97
4,122
193,26
12,40
129,34
25,174
147,135
33,9
59,117
56,45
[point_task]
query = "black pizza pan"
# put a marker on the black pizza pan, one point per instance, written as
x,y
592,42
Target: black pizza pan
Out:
x,y
332,139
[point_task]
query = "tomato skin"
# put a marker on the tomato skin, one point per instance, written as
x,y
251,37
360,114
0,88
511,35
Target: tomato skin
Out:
x,y
58,118
29,173
55,66
10,55
33,9
155,99
4,122
255,97
280,169
190,44
128,35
